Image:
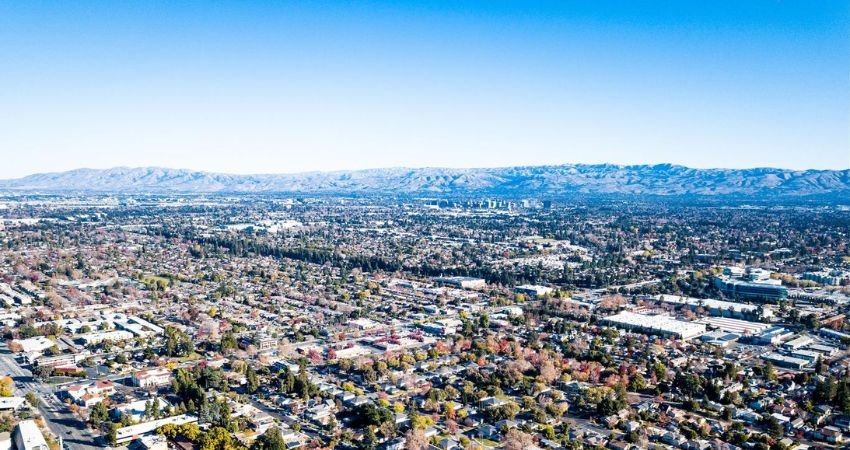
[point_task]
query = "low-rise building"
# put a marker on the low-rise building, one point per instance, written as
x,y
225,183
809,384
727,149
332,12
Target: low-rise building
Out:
x,y
11,403
133,432
37,344
462,282
28,437
151,378
655,324
534,291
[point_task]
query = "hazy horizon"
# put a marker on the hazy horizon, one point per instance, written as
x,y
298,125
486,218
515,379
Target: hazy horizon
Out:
x,y
264,87
189,169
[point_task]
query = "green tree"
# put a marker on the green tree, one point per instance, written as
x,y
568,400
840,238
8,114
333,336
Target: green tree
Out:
x,y
217,438
33,399
252,382
270,440
112,433
98,415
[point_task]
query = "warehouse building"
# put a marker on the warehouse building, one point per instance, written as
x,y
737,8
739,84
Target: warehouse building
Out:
x,y
717,308
788,362
534,291
742,327
655,324
462,282
774,336
798,342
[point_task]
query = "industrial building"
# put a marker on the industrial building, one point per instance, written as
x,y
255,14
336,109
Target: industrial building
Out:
x,y
462,282
787,362
719,338
742,327
533,291
774,336
655,324
798,342
718,308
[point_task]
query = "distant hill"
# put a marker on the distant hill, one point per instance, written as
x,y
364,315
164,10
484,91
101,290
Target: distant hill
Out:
x,y
563,180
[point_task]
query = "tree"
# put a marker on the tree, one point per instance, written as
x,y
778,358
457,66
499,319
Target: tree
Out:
x,y
370,439
228,342
270,440
517,440
6,386
825,390
484,321
178,343
769,372
415,440
548,372
33,399
774,428
638,382
190,431
252,382
42,372
217,438
111,433
420,422
98,415
507,411
690,384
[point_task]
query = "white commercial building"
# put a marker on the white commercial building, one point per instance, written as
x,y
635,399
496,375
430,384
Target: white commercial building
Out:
x,y
463,282
533,291
655,324
29,437
11,403
36,344
742,327
132,432
99,336
139,326
152,377
798,342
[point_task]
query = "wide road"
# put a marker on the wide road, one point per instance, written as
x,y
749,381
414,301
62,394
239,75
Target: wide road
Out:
x,y
59,419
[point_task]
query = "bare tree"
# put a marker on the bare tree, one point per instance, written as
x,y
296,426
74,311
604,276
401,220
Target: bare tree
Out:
x,y
517,440
415,440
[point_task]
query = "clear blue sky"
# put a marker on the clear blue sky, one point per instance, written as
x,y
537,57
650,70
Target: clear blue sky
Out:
x,y
260,87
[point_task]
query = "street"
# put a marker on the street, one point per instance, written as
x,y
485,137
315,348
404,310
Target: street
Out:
x,y
59,419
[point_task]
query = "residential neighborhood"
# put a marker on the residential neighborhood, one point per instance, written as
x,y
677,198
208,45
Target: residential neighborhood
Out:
x,y
199,323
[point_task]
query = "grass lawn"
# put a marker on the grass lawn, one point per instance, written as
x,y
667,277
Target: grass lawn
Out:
x,y
194,356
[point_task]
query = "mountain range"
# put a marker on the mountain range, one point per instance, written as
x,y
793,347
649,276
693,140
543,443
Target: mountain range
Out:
x,y
559,180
